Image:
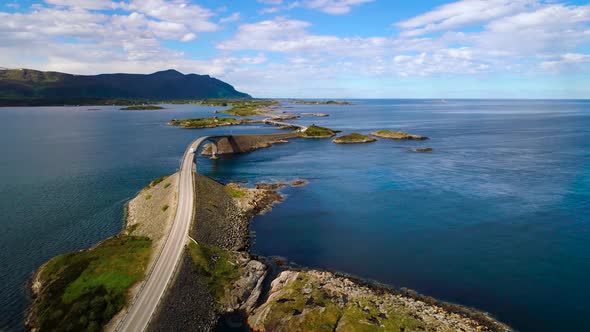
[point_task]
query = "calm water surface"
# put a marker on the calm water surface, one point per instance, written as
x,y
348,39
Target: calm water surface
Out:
x,y
498,217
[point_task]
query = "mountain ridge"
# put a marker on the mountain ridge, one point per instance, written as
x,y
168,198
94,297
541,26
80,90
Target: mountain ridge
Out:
x,y
29,86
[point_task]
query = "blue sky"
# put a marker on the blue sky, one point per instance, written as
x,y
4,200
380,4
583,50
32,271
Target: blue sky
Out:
x,y
316,48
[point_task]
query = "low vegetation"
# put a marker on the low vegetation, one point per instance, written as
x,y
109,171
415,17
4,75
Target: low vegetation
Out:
x,y
165,207
354,138
304,305
314,131
158,181
400,135
249,107
211,122
83,290
217,265
235,192
142,108
322,102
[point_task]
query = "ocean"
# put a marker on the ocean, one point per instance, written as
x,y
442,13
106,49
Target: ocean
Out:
x,y
497,217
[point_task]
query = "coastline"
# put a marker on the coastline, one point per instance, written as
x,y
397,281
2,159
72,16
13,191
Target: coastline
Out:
x,y
248,293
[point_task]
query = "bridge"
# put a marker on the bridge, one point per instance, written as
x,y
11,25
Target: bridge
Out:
x,y
152,289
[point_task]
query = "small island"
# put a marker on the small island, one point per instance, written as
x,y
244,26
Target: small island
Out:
x,y
211,122
320,115
249,107
142,108
314,131
322,102
399,135
353,138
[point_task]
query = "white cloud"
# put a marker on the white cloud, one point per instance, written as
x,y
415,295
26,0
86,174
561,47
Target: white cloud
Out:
x,y
564,62
85,4
180,11
271,2
289,36
334,7
231,18
461,13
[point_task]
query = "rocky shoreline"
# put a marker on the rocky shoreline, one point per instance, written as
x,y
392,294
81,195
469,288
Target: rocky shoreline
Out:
x,y
218,276
293,298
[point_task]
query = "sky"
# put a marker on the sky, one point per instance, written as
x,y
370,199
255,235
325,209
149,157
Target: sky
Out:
x,y
316,48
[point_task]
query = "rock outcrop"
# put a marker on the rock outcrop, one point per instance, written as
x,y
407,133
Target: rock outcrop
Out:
x,y
315,300
399,135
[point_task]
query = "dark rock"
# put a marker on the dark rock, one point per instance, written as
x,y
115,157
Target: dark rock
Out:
x,y
187,305
421,150
283,300
269,186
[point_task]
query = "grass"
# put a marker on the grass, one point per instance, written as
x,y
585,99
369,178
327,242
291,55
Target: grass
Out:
x,y
132,228
158,181
397,135
217,265
148,197
167,185
210,122
84,290
323,314
354,138
165,207
319,132
248,107
234,192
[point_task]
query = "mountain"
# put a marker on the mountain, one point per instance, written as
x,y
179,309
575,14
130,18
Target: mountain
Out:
x,y
27,86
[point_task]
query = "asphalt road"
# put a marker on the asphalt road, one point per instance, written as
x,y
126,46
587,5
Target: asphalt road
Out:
x,y
156,282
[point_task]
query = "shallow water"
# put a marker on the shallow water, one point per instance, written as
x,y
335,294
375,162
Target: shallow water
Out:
x,y
497,217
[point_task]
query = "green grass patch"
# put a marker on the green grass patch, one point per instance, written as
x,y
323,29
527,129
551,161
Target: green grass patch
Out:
x,y
317,131
235,192
158,181
402,135
132,228
248,107
210,122
354,138
148,197
218,265
84,290
165,207
167,185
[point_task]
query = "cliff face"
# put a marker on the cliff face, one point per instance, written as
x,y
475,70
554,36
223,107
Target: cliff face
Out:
x,y
37,87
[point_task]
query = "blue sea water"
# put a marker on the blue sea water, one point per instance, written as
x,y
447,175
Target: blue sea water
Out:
x,y
496,218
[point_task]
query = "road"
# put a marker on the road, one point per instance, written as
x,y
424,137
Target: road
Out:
x,y
300,128
152,290
154,286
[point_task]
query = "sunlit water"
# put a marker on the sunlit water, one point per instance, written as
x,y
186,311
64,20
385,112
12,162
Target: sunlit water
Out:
x,y
496,218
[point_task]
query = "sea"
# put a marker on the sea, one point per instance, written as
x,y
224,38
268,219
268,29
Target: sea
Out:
x,y
496,218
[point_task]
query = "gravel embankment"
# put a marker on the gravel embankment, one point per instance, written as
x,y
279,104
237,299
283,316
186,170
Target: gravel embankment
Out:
x,y
188,305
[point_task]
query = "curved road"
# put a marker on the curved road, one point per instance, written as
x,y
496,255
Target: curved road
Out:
x,y
146,301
